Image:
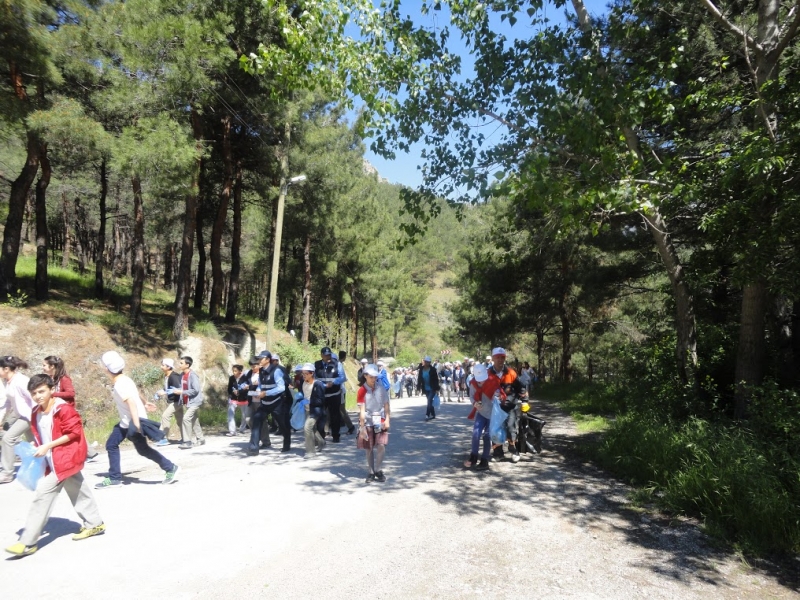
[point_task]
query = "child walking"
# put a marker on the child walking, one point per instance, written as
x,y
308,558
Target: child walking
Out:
x,y
58,433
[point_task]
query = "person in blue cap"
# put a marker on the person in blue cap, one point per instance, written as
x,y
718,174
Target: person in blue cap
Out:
x,y
428,382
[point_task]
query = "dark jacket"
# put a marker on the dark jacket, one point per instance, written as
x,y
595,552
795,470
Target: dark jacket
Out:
x,y
174,381
317,400
434,379
234,393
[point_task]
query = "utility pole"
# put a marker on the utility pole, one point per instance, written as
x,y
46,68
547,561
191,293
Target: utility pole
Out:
x,y
285,182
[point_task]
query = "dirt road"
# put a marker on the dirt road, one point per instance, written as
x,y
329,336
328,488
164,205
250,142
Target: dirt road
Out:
x,y
278,526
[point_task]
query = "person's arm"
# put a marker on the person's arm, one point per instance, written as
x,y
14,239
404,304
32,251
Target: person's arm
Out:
x,y
193,385
280,384
71,425
387,411
45,448
362,407
341,376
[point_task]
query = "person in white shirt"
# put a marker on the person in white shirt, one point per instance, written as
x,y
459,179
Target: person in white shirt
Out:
x,y
131,411
19,404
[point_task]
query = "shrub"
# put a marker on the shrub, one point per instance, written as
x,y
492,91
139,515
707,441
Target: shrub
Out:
x,y
206,329
147,375
293,353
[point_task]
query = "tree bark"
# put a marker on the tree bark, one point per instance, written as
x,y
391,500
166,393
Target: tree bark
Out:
x,y
138,251
116,257
374,336
217,276
200,281
566,337
353,322
306,288
236,243
67,231
42,236
16,210
100,262
184,284
685,323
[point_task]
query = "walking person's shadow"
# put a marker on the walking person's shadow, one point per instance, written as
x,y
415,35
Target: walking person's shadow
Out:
x,y
55,528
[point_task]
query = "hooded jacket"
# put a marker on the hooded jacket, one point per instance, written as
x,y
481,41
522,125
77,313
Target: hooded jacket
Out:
x,y
68,458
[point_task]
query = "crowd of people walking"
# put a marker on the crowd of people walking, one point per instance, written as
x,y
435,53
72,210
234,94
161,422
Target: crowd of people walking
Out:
x,y
269,399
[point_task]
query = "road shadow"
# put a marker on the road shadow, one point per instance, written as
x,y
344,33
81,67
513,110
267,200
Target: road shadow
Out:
x,y
55,528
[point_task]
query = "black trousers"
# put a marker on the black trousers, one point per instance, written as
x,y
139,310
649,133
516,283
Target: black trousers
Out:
x,y
279,413
332,407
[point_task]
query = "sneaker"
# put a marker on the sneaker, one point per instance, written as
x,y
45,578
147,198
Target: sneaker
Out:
x,y
171,476
162,442
262,446
7,478
201,442
93,457
186,446
370,478
380,477
19,549
498,453
230,433
515,457
108,483
483,465
351,431
283,450
473,458
87,532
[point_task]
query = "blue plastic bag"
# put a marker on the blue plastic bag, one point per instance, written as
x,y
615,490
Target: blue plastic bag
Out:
x,y
32,468
298,419
497,424
437,402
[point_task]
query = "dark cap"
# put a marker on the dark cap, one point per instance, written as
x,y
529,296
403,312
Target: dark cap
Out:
x,y
265,354
326,351
254,361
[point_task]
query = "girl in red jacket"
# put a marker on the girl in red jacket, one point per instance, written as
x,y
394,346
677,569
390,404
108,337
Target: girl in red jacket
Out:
x,y
58,432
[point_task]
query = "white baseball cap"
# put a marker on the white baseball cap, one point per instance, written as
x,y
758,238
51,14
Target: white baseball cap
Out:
x,y
371,370
168,362
480,373
499,352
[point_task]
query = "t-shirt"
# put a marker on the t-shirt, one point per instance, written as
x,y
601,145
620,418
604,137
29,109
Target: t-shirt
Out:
x,y
44,423
125,388
307,387
426,379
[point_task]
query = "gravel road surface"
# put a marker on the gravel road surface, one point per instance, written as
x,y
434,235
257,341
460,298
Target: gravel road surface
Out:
x,y
279,526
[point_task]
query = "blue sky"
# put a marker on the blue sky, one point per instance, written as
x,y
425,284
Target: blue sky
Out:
x,y
404,169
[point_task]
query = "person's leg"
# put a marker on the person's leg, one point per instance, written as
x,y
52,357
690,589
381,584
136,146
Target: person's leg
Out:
x,y
335,415
186,425
258,418
80,494
345,416
487,438
166,419
198,431
231,417
371,460
15,433
243,412
47,490
179,410
431,412
310,433
476,437
512,426
112,448
140,443
380,451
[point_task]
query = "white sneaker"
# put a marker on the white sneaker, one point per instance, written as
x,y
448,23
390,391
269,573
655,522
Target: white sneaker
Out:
x,y
515,458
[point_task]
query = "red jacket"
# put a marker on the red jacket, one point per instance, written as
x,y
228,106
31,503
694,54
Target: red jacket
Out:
x,y
64,389
68,458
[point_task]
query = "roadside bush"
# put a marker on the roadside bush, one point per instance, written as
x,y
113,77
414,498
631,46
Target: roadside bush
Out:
x,y
745,488
293,353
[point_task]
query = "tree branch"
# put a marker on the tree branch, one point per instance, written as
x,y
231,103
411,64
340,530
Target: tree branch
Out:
x,y
791,30
722,20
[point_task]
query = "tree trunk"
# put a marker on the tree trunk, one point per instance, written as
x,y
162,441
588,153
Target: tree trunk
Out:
x,y
67,231
184,284
169,264
394,340
100,262
306,288
116,257
685,325
16,209
138,251
42,237
236,243
374,336
566,338
751,349
539,351
200,281
353,322
217,276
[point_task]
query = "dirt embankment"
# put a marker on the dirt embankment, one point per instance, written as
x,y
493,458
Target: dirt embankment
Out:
x,y
32,334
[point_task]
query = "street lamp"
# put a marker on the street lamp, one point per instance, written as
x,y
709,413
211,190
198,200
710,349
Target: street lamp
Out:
x,y
276,250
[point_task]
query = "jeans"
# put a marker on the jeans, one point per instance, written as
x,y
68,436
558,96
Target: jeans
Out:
x,y
481,430
260,415
173,408
232,406
444,393
430,412
118,434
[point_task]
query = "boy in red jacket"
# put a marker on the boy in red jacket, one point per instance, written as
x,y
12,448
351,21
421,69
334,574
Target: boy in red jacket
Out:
x,y
58,432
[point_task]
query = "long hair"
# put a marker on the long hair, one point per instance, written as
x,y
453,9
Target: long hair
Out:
x,y
58,365
12,362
